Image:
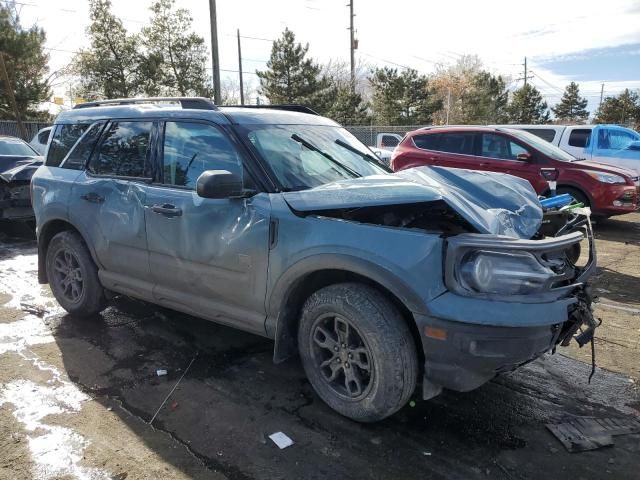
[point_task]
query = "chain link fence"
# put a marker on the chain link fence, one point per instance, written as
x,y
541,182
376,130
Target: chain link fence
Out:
x,y
10,127
367,134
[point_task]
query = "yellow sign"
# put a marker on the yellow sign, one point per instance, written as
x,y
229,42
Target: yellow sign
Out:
x,y
78,100
58,100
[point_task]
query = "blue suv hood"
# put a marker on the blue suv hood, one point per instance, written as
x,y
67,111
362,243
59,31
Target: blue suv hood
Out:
x,y
494,203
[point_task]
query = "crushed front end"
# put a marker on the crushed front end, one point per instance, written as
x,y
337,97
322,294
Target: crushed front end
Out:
x,y
509,300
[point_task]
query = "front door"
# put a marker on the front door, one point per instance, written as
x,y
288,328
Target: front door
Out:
x,y
499,153
108,202
207,256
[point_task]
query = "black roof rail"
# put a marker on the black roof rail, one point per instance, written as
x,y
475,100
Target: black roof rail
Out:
x,y
289,107
199,103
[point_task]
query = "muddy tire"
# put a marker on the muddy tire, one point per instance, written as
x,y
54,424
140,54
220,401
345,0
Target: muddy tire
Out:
x,y
73,275
357,351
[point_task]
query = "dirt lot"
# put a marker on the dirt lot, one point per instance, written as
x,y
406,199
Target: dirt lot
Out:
x,y
77,397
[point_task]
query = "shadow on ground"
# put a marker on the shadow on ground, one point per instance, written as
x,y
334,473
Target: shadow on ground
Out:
x,y
233,397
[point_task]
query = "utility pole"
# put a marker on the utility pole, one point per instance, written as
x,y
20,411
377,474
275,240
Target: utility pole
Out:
x,y
352,46
448,104
601,95
214,53
11,96
525,71
240,70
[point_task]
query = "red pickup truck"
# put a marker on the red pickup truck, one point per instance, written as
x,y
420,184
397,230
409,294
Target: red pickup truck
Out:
x,y
608,190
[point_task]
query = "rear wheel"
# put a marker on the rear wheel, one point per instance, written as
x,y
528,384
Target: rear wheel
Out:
x,y
73,275
357,351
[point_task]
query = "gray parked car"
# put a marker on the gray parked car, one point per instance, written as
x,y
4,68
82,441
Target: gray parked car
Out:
x,y
279,222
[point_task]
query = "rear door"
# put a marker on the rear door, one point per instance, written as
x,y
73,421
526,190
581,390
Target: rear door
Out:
x,y
208,256
107,202
499,153
457,150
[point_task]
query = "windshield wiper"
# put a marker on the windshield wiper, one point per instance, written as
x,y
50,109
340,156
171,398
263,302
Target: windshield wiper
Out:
x,y
326,155
369,158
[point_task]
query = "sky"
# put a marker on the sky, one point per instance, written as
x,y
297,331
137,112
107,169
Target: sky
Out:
x,y
587,41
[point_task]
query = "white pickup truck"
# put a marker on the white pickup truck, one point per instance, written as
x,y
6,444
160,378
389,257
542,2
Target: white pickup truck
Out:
x,y
385,143
609,144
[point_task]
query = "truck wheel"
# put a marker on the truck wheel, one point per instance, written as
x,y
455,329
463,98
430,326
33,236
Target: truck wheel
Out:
x,y
357,351
73,276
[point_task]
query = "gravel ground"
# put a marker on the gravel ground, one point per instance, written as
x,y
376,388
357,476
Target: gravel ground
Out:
x,y
77,397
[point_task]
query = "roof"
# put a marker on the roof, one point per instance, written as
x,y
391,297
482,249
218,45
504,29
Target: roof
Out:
x,y
453,128
221,115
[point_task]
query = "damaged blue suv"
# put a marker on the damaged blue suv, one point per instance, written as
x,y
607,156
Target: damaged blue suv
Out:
x,y
279,222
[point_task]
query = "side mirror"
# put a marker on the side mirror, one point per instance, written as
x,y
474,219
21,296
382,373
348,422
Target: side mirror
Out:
x,y
634,145
524,157
219,184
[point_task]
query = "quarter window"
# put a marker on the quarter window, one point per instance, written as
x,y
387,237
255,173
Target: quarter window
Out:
x,y
43,137
64,138
579,137
389,141
191,148
427,142
79,155
499,147
124,150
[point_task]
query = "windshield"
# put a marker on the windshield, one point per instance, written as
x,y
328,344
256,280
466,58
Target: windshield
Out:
x,y
543,146
307,156
15,146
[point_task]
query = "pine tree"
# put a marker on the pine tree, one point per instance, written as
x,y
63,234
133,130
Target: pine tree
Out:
x,y
348,107
486,101
175,59
291,77
26,64
528,107
402,98
572,107
623,109
110,67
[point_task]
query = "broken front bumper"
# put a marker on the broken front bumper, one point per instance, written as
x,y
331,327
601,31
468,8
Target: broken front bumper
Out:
x,y
468,340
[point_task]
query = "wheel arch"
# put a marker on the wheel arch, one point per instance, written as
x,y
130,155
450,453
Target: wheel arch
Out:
x,y
45,234
573,186
301,280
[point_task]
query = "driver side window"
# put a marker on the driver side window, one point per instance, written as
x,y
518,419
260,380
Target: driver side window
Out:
x,y
191,148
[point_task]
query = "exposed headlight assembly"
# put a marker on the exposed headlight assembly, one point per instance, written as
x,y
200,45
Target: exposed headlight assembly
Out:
x,y
508,269
483,271
607,178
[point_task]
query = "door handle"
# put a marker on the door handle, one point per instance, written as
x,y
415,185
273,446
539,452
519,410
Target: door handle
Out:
x,y
92,197
167,210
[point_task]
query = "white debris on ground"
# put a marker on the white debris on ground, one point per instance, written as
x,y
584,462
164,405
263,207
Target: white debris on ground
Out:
x,y
56,451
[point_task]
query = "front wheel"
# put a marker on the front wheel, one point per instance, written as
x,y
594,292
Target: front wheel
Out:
x,y
357,351
73,276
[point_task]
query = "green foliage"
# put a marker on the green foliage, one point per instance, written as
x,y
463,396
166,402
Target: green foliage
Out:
x,y
167,58
623,109
291,77
572,107
175,59
348,107
528,107
486,101
110,67
26,64
401,98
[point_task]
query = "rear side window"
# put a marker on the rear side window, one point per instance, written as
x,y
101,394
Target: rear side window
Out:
x,y
43,137
79,155
64,138
191,148
547,134
427,142
389,141
123,151
579,137
460,143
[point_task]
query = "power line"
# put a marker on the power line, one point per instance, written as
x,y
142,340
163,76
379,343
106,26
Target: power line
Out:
x,y
66,10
